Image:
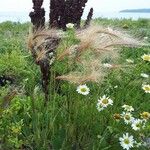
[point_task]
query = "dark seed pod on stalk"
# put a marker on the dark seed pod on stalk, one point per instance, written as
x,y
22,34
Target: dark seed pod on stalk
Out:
x,y
56,13
89,18
61,13
66,11
38,15
78,8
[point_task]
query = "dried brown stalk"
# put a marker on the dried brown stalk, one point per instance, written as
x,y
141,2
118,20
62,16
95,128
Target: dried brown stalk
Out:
x,y
43,44
38,15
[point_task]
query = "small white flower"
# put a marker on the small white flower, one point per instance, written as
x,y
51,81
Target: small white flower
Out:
x,y
138,144
144,75
130,61
26,79
52,60
127,117
99,136
51,54
146,57
83,89
70,25
115,87
106,65
145,38
126,141
137,124
103,102
146,88
128,108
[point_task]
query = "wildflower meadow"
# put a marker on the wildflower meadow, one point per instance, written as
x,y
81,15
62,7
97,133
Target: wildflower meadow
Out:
x,y
98,97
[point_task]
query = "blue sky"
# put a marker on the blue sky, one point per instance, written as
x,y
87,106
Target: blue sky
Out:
x,y
99,5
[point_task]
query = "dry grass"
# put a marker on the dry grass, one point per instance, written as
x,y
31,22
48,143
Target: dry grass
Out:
x,y
96,45
37,42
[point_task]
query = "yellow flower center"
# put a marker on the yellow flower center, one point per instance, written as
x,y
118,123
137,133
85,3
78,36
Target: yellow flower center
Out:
x,y
126,141
138,125
117,116
83,89
105,101
145,115
127,117
146,57
147,88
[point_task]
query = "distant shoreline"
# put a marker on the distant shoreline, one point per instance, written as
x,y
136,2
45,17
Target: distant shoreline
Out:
x,y
136,10
23,17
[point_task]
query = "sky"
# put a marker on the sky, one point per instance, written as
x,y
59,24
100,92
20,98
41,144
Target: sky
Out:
x,y
98,5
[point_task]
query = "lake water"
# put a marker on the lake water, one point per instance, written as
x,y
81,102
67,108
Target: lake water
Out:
x,y
24,16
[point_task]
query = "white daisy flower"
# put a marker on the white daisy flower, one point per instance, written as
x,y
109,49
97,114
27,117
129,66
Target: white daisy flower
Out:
x,y
130,61
128,108
70,25
146,57
126,141
103,102
137,124
127,117
83,89
106,65
146,88
144,75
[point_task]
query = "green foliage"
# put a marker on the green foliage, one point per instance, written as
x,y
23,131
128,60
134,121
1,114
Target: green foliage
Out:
x,y
12,63
69,120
